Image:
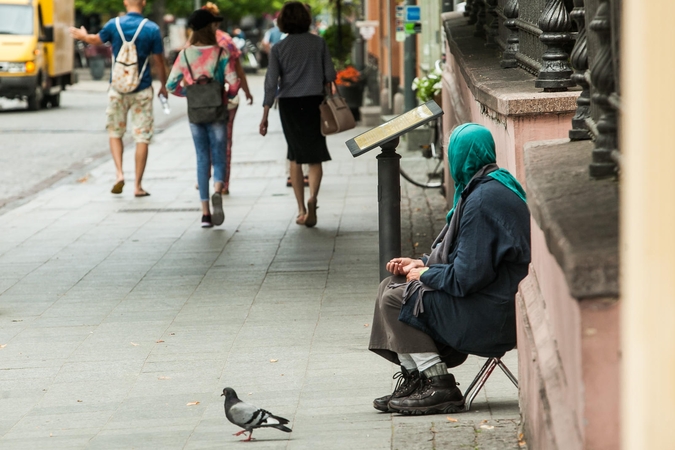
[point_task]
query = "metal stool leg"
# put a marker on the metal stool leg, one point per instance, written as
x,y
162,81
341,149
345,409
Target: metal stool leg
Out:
x,y
478,382
482,377
507,372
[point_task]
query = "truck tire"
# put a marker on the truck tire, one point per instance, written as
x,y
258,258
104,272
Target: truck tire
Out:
x,y
36,98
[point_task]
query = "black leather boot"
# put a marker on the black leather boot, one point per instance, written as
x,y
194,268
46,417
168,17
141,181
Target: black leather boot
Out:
x,y
406,385
437,394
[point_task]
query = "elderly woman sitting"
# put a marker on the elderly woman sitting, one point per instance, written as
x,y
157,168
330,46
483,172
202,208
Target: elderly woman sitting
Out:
x,y
461,298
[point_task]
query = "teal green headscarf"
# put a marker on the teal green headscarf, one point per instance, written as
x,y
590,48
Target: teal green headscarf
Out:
x,y
471,148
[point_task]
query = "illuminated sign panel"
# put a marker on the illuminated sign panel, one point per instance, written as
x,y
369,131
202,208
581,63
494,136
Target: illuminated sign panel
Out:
x,y
396,127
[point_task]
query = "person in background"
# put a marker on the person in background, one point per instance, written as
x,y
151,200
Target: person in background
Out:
x,y
204,59
272,37
239,33
236,79
299,72
139,102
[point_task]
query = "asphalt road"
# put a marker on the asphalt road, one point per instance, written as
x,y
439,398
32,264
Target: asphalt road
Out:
x,y
38,149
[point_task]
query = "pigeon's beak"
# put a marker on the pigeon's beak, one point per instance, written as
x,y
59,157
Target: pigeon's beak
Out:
x,y
222,395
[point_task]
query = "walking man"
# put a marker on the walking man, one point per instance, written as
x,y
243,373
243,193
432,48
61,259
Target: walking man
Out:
x,y
147,39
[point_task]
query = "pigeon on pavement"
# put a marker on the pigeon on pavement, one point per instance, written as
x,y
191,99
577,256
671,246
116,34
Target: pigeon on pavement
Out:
x,y
248,417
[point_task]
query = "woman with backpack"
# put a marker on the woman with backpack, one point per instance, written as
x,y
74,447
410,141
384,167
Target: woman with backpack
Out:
x,y
236,79
199,75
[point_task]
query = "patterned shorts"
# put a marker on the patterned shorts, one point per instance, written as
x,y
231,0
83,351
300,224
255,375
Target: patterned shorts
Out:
x,y
140,106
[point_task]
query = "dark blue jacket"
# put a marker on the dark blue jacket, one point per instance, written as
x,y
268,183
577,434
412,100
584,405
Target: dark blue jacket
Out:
x,y
473,307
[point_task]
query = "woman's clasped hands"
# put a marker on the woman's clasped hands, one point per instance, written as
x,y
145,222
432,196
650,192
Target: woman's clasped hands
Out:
x,y
403,266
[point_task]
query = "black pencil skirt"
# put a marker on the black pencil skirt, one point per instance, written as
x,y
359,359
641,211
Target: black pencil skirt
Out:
x,y
301,121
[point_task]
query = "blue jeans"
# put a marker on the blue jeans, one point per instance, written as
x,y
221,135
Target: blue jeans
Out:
x,y
210,142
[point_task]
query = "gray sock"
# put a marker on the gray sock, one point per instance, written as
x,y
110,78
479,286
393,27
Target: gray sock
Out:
x,y
436,370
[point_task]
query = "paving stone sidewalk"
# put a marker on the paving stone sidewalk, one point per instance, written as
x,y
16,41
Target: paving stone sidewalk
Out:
x,y
121,320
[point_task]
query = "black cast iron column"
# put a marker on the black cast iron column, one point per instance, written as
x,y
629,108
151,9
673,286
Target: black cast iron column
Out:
x,y
602,78
389,204
556,73
579,60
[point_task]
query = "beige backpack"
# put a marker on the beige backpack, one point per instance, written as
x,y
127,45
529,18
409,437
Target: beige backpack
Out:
x,y
125,74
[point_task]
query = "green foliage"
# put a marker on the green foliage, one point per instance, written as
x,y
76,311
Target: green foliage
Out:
x,y
232,10
347,7
426,88
99,6
340,53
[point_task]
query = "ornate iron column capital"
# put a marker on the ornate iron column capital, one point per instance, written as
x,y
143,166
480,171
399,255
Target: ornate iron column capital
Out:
x,y
555,24
513,41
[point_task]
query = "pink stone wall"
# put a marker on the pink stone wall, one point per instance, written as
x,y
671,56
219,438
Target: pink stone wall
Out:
x,y
563,320
510,133
586,358
601,356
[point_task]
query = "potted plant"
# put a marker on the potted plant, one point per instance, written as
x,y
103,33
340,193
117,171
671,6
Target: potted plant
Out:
x,y
349,81
428,87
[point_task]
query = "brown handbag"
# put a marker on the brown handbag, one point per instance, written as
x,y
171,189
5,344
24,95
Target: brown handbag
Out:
x,y
335,114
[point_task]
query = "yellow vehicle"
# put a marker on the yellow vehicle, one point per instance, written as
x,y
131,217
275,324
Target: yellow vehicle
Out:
x,y
36,50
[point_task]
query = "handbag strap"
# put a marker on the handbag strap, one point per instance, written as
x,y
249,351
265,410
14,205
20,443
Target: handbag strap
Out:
x,y
329,92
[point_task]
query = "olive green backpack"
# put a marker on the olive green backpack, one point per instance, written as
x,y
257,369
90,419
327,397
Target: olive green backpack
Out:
x,y
205,97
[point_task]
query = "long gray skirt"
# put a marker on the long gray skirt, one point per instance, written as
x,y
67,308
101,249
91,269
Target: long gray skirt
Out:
x,y
389,336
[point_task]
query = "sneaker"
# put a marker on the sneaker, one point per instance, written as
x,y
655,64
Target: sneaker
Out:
x,y
218,214
206,221
407,384
434,395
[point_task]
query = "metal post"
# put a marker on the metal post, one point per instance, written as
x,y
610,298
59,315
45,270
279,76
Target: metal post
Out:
x,y
198,4
338,3
389,204
390,64
410,67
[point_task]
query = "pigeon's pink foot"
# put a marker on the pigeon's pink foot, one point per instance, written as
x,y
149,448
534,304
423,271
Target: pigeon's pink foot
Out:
x,y
250,437
239,433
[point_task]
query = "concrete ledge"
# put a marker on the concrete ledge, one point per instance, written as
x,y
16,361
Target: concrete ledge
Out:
x,y
510,92
579,216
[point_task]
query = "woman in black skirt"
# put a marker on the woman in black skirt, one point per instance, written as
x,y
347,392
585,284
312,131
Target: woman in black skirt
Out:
x,y
300,68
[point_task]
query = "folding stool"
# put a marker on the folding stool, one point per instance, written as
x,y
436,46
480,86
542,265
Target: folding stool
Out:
x,y
482,377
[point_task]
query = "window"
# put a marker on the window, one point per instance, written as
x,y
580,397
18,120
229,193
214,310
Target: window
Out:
x,y
16,19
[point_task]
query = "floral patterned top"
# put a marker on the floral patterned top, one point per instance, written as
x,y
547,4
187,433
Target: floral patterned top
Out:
x,y
203,61
233,81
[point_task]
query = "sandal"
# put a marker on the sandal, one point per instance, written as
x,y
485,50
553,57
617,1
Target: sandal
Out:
x,y
300,219
310,219
117,188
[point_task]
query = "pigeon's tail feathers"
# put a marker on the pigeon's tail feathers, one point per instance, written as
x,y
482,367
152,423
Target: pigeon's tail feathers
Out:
x,y
278,426
280,420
